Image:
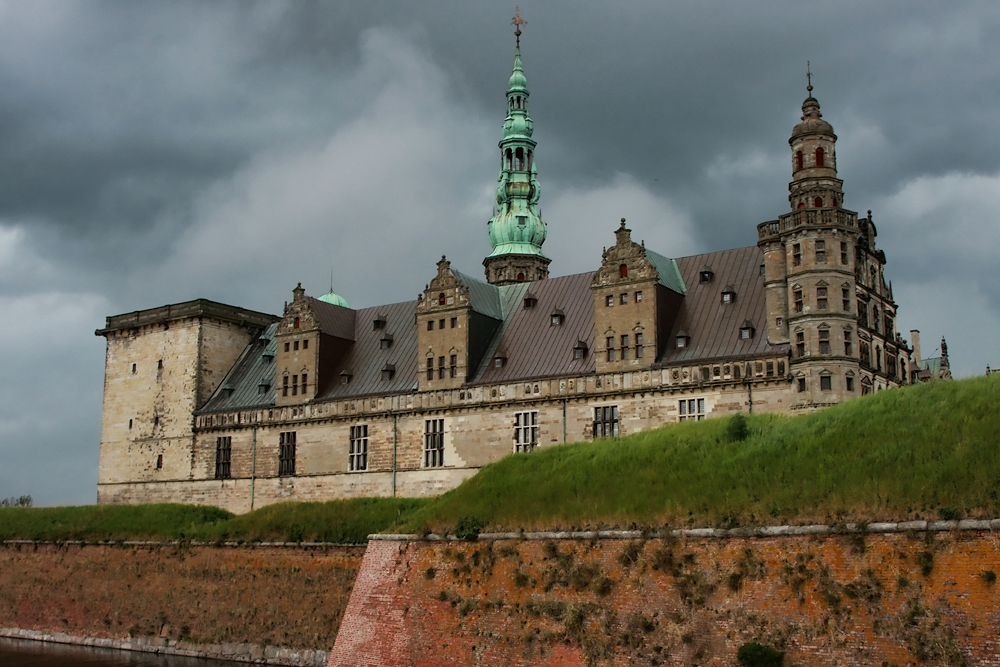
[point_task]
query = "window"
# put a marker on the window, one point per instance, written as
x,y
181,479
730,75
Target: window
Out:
x,y
433,443
623,299
638,346
845,295
284,385
747,330
623,271
305,344
159,364
430,368
824,341
821,298
525,431
797,294
223,457
606,421
638,296
802,384
386,341
820,157
345,377
609,300
295,385
497,362
705,276
378,323
430,325
736,372
441,324
820,247
843,252
848,345
297,323
556,318
681,341
286,453
133,369
798,160
305,382
781,369
850,384
441,367
796,254
800,343
728,297
358,457
159,461
825,383
866,355
818,202
875,318
691,409
295,345
130,424
454,366
441,299
287,346
454,322
770,369
609,343
888,327
580,350
625,347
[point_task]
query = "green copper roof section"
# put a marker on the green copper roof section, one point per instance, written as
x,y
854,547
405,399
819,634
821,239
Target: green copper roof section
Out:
x,y
335,299
483,297
517,227
670,274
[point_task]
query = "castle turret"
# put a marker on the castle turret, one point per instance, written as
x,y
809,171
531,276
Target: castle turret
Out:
x,y
516,230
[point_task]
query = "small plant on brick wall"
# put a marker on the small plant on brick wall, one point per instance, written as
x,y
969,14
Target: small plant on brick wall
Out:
x,y
630,553
925,559
753,654
430,573
989,576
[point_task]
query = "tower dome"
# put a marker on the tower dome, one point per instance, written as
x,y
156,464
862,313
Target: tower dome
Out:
x,y
332,297
812,121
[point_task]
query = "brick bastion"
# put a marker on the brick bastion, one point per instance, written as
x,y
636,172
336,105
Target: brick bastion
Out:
x,y
899,594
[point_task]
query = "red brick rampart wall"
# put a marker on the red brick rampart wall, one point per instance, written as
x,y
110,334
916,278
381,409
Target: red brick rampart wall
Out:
x,y
833,600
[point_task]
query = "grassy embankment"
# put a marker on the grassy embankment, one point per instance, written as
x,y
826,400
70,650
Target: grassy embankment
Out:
x,y
928,451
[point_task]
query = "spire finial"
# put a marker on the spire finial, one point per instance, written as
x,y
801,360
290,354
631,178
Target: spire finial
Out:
x,y
517,22
809,79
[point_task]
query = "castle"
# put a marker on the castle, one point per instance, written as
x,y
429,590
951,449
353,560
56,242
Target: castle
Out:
x,y
210,403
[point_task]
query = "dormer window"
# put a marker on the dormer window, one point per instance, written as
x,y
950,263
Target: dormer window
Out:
x,y
385,342
557,317
729,295
706,275
227,390
747,330
530,301
388,371
580,350
263,386
345,376
682,339
267,357
378,323
499,359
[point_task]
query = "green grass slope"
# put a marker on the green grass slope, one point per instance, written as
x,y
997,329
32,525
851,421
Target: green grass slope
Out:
x,y
924,451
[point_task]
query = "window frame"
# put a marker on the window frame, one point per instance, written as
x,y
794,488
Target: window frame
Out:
x,y
286,453
691,409
358,448
224,457
525,431
606,422
433,443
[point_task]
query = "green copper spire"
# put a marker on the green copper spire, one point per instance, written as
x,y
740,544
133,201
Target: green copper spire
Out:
x,y
516,230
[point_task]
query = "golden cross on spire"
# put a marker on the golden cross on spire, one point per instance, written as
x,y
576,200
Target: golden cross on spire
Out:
x,y
517,22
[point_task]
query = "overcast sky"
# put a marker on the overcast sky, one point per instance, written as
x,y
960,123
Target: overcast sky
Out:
x,y
153,152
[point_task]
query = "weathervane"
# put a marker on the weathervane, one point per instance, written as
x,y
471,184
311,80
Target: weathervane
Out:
x,y
517,22
809,78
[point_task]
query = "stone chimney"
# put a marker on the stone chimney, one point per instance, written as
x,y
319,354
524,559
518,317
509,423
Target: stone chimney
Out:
x,y
915,339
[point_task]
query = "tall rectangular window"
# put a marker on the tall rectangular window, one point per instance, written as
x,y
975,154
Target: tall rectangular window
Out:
x,y
610,344
284,386
796,254
286,453
430,325
609,300
433,443
798,300
845,295
625,347
606,421
691,409
821,297
295,385
638,296
358,457
825,383
843,252
824,341
223,457
638,346
454,365
305,382
848,347
441,367
454,322
820,252
430,368
800,344
525,431
624,298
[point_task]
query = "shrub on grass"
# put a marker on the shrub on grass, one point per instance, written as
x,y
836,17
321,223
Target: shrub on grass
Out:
x,y
468,528
738,430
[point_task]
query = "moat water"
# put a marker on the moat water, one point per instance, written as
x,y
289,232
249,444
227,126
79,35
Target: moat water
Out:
x,y
23,653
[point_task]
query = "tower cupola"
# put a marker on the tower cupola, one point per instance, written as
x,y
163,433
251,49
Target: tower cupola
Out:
x,y
814,160
516,230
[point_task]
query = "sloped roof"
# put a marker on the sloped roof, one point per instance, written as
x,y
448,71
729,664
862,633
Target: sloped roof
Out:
x,y
485,298
333,319
366,358
533,346
256,363
714,327
670,275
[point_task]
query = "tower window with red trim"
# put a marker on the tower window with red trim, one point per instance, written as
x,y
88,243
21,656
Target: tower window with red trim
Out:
x,y
296,323
818,202
820,157
520,276
441,299
798,160
623,270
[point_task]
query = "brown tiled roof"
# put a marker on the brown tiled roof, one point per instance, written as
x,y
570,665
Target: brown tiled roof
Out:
x,y
714,327
533,346
367,359
334,320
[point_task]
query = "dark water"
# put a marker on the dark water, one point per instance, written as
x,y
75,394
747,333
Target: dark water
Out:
x,y
24,653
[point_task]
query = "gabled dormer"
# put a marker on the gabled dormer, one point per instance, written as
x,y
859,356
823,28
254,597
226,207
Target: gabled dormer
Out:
x,y
313,338
637,294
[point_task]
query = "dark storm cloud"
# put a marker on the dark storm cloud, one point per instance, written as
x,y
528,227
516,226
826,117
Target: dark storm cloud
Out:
x,y
157,152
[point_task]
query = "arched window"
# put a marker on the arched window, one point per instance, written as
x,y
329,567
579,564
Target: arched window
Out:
x,y
519,159
798,160
818,202
819,157
441,300
520,276
296,323
802,204
623,270
528,167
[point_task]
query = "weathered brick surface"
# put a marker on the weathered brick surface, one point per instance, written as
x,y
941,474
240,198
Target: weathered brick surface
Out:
x,y
826,601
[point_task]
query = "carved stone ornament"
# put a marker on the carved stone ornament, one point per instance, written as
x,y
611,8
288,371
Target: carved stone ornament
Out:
x,y
632,255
